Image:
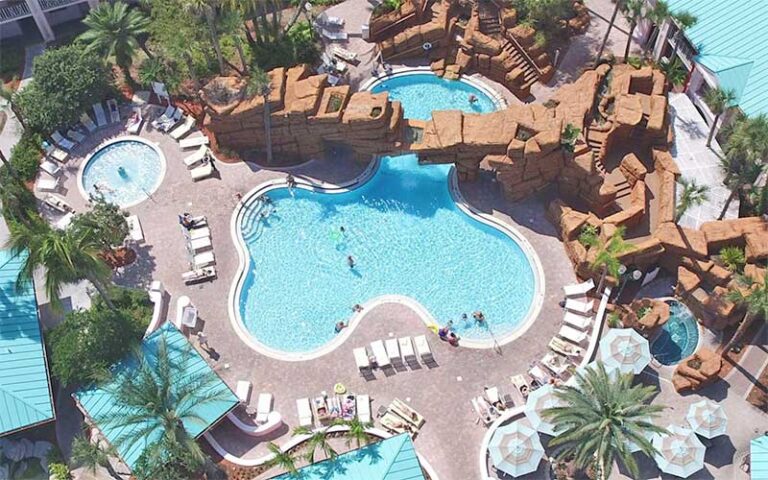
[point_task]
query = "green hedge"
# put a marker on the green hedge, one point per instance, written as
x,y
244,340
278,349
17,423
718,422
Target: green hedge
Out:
x,y
25,156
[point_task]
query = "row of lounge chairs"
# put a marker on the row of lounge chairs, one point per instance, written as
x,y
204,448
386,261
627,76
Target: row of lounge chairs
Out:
x,y
200,249
490,404
393,352
325,410
331,28
200,163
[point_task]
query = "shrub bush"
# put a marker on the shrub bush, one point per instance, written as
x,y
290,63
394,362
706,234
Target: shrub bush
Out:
x,y
297,46
25,155
733,258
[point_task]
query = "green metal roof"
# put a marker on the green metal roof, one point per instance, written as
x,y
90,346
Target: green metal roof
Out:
x,y
99,402
758,458
25,392
393,458
731,38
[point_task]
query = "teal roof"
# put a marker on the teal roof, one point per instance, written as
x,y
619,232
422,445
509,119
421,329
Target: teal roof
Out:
x,y
731,38
758,458
25,391
391,459
99,401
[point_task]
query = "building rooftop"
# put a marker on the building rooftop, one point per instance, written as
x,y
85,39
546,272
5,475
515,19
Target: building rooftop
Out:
x,y
731,43
391,459
99,401
25,391
758,452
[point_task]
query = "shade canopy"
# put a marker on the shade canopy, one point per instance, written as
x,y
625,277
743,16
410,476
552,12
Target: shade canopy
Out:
x,y
516,449
681,453
758,457
707,419
539,400
626,350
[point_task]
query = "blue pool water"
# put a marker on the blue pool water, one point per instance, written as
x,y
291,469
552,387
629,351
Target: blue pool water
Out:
x,y
407,237
423,93
141,175
678,337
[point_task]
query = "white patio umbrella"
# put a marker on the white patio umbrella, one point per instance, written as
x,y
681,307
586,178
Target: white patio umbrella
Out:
x,y
707,419
516,449
626,350
681,453
539,400
634,447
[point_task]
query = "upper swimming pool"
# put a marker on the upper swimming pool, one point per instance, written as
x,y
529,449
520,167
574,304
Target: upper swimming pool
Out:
x,y
407,237
125,171
423,93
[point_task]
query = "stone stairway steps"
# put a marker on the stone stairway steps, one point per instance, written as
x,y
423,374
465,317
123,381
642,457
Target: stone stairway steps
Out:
x,y
529,73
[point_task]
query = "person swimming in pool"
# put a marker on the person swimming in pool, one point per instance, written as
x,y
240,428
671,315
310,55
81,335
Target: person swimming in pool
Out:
x,y
340,326
472,98
351,261
478,316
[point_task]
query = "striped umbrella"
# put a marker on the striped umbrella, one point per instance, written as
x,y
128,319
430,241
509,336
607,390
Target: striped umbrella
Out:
x,y
681,453
516,449
626,350
707,419
539,400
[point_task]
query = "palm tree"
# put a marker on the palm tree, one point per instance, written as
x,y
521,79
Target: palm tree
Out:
x,y
281,459
745,154
92,455
674,72
157,402
619,5
67,256
718,101
357,432
231,23
601,417
259,84
608,253
692,195
658,15
317,440
754,297
683,21
207,9
633,12
113,31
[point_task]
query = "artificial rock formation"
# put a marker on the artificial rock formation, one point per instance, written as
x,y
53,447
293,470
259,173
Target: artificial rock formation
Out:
x,y
656,316
697,371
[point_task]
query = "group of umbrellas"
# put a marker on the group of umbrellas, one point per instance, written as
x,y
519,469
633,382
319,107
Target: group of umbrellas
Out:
x,y
516,449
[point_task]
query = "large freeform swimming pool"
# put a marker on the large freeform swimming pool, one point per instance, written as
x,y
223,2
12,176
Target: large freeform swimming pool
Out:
x,y
423,93
678,338
407,237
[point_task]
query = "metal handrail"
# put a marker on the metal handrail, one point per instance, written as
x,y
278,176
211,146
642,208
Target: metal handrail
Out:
x,y
50,4
12,12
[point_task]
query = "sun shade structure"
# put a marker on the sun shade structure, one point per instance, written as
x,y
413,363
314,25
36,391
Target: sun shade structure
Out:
x,y
538,401
681,453
516,449
625,349
25,392
707,419
758,457
731,45
391,459
99,402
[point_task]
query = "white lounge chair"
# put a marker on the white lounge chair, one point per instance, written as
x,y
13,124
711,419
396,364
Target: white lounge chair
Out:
x,y
334,36
575,320
198,233
572,335
114,112
538,374
47,183
57,154
492,395
192,142
186,314
305,412
406,350
556,363
579,289
134,228
197,157
101,117
51,168
165,117
263,407
169,124
482,414
243,391
380,353
77,135
201,172
200,244
88,123
422,348
199,274
579,306
204,259
134,123
564,348
184,128
393,351
58,203
343,53
361,360
363,406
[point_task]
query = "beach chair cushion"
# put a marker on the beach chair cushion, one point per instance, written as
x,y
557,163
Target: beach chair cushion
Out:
x,y
361,358
576,320
203,259
201,172
572,335
243,391
406,349
422,347
579,289
579,306
382,359
305,412
393,352
192,142
263,407
363,405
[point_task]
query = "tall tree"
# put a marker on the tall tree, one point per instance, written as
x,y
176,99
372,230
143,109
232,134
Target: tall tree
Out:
x,y
357,432
92,455
659,14
317,440
207,9
753,295
231,23
259,83
114,31
66,256
719,101
609,251
692,195
633,12
601,417
619,5
281,459
746,151
683,21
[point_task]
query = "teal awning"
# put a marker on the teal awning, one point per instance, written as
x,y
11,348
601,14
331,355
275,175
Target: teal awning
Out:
x,y
25,392
758,457
390,459
99,402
